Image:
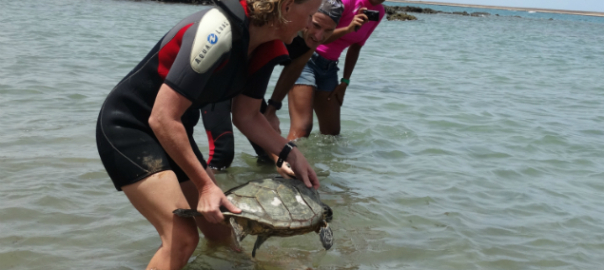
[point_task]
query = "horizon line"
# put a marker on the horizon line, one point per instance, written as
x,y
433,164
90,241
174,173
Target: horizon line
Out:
x,y
542,10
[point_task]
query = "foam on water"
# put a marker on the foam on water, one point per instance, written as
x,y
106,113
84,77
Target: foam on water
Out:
x,y
467,143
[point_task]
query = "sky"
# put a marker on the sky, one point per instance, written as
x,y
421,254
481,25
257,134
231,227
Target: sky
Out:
x,y
582,5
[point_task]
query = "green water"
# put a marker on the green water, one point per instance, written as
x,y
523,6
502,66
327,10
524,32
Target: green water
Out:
x,y
467,143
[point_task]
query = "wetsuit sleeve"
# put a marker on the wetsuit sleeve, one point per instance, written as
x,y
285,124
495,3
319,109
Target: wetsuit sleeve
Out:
x,y
296,49
265,59
256,85
204,47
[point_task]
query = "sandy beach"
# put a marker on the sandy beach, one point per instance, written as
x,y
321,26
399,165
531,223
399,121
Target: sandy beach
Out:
x,y
586,13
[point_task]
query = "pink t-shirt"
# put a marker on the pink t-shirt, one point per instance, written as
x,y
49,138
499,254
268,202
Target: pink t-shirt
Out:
x,y
333,50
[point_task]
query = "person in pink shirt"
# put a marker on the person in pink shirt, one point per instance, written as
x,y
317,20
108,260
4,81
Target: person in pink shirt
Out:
x,y
318,86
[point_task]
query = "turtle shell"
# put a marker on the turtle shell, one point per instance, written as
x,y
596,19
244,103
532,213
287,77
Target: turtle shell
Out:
x,y
278,203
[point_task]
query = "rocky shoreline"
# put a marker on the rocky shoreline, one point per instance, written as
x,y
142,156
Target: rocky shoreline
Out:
x,y
399,13
539,10
393,13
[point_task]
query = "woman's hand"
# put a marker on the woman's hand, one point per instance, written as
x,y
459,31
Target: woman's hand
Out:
x,y
302,169
211,198
358,21
338,93
286,171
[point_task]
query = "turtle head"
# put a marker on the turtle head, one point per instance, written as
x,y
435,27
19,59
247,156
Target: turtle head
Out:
x,y
327,213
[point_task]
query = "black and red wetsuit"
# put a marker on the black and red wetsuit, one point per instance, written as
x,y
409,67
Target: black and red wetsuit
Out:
x,y
203,58
217,120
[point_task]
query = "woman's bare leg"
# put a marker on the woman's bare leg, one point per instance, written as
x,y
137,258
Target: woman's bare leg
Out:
x,y
155,198
328,113
218,233
300,100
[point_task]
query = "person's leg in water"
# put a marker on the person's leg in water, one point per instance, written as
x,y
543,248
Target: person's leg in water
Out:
x,y
219,129
328,113
325,105
300,102
155,197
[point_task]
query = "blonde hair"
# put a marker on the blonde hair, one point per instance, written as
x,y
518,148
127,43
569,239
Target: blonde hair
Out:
x,y
267,11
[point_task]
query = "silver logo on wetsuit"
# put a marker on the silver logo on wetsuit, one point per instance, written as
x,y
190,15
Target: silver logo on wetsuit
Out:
x,y
212,41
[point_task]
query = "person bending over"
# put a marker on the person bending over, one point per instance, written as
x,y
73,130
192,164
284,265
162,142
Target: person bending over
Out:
x,y
318,88
216,117
145,127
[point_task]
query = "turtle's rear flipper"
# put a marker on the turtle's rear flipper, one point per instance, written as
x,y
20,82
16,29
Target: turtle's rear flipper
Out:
x,y
259,240
238,232
326,237
186,213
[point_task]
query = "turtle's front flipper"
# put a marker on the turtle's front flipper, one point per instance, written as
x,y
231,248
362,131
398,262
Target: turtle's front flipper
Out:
x,y
238,232
259,240
192,213
186,213
326,236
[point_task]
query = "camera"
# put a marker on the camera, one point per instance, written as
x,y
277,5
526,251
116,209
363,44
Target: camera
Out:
x,y
372,15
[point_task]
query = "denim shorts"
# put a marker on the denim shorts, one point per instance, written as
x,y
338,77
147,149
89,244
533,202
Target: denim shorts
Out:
x,y
320,73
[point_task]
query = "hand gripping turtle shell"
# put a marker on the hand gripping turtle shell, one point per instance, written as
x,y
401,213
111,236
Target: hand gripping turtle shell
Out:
x,y
275,207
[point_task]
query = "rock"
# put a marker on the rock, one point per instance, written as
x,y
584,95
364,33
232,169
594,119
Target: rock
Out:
x,y
400,17
430,11
397,9
465,13
398,13
390,10
480,14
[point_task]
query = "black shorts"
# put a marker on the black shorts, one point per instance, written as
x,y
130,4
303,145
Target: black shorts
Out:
x,y
132,153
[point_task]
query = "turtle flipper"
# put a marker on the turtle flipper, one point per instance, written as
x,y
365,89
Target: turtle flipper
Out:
x,y
259,240
186,213
328,214
326,236
237,232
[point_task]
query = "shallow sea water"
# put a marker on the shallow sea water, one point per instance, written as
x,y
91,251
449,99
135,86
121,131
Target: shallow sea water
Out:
x,y
467,143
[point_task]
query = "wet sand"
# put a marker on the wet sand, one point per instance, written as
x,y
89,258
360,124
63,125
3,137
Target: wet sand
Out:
x,y
541,10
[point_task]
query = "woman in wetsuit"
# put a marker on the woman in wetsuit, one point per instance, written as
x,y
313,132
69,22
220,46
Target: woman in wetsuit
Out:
x,y
216,117
145,127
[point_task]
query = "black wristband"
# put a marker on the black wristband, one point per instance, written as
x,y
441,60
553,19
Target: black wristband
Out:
x,y
275,104
283,155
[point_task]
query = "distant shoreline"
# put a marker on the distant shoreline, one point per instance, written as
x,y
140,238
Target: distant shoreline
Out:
x,y
540,10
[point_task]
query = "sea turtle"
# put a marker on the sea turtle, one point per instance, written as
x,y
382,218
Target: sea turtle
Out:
x,y
275,207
